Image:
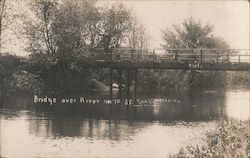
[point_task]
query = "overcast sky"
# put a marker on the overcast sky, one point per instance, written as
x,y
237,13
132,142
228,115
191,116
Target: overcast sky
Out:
x,y
230,18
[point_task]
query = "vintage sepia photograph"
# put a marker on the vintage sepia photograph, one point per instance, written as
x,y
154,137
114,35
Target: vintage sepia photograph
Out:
x,y
124,79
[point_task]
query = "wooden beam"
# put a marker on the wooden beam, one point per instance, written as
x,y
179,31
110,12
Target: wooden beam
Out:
x,y
111,82
120,83
135,97
175,66
128,83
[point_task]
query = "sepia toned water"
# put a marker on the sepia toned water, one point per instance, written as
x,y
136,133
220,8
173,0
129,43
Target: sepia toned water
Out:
x,y
160,125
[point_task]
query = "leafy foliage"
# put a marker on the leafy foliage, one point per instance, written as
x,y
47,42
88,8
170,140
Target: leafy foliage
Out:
x,y
191,35
114,25
14,77
8,65
65,32
229,140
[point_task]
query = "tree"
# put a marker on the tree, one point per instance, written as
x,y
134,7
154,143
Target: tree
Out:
x,y
74,28
62,31
7,22
114,26
57,34
74,32
137,38
37,28
191,35
8,66
2,11
40,38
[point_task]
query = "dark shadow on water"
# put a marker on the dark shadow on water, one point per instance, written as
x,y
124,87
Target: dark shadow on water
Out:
x,y
112,121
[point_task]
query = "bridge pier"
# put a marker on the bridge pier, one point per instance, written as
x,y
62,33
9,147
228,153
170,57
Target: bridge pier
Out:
x,y
129,79
111,82
131,74
120,83
135,92
128,83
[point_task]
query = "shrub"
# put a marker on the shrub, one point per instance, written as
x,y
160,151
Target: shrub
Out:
x,y
230,140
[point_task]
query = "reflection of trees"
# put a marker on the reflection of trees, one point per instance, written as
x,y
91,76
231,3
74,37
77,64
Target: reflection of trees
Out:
x,y
97,122
89,128
113,121
15,102
194,106
205,105
119,122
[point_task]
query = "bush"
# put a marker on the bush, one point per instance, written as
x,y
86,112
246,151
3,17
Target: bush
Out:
x,y
230,140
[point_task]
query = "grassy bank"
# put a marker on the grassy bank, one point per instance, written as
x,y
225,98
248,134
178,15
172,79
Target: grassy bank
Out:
x,y
231,139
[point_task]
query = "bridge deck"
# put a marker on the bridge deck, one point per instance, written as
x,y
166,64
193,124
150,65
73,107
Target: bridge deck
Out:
x,y
178,66
202,59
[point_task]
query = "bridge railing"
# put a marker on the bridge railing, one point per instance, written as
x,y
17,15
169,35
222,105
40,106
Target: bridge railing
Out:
x,y
226,55
170,55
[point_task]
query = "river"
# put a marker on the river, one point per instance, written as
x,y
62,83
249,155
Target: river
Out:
x,y
155,127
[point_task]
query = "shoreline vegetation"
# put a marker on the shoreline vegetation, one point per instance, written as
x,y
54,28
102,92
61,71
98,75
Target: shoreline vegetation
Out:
x,y
16,80
17,77
231,138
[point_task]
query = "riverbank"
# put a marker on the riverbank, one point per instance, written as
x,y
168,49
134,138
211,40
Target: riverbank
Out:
x,y
229,139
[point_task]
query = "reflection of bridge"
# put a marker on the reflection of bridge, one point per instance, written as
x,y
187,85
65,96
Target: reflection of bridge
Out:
x,y
180,59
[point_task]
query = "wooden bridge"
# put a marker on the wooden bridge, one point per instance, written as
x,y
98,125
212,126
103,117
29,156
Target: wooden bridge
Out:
x,y
131,60
185,59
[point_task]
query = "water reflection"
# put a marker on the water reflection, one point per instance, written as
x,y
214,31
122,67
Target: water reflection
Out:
x,y
115,130
103,120
146,140
73,130
238,104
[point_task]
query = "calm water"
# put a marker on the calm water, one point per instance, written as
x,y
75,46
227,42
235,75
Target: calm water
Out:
x,y
155,127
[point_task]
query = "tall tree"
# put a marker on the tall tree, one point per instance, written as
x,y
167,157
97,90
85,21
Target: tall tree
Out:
x,y
74,37
37,28
74,28
191,35
61,31
137,37
2,10
57,33
7,21
114,25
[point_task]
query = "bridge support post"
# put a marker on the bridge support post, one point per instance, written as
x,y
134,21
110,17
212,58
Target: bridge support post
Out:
x,y
128,83
111,82
120,83
217,57
201,56
153,56
135,85
228,56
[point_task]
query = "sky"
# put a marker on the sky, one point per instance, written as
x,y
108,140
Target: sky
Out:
x,y
230,19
